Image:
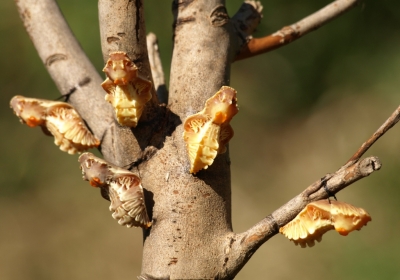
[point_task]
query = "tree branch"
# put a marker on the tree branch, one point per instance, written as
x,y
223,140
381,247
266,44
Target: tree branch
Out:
x,y
68,65
243,245
191,213
189,89
122,28
388,124
291,33
247,19
156,68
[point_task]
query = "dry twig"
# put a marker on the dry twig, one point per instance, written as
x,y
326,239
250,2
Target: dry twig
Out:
x,y
291,33
68,66
156,68
243,245
388,124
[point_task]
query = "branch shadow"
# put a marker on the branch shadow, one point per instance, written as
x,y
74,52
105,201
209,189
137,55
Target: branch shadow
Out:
x,y
154,132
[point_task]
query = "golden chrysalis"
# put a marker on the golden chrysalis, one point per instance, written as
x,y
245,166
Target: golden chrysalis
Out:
x,y
56,118
126,90
207,132
122,187
321,216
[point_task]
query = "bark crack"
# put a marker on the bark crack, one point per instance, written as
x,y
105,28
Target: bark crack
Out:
x,y
138,4
54,58
85,81
219,16
112,39
147,154
183,20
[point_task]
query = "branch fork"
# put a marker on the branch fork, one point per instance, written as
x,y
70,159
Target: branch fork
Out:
x,y
288,34
244,245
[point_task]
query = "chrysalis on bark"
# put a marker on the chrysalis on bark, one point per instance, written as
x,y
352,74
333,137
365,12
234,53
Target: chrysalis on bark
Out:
x,y
321,216
122,187
126,90
56,118
208,132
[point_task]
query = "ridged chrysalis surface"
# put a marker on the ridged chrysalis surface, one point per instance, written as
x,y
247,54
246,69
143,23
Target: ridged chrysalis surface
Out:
x,y
56,118
321,216
126,90
122,187
207,132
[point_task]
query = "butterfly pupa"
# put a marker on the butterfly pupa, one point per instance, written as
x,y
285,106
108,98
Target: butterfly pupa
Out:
x,y
321,216
127,200
122,187
126,90
208,132
55,118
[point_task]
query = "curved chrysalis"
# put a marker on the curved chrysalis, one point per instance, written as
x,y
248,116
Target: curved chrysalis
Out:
x,y
321,216
126,90
208,132
56,118
122,187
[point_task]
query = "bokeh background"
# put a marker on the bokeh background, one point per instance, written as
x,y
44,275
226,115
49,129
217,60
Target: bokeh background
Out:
x,y
304,110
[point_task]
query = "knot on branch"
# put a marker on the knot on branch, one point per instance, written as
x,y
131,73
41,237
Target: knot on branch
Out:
x,y
54,58
369,165
247,19
219,16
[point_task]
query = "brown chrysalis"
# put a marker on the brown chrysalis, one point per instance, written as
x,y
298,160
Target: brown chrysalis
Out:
x,y
55,118
126,90
122,187
207,132
321,216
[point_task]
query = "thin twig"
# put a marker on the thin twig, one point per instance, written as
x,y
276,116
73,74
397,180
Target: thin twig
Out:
x,y
388,124
243,245
247,19
290,33
66,62
156,68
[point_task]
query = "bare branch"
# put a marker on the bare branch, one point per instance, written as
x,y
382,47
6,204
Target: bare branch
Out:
x,y
122,28
197,59
388,124
67,64
156,68
247,19
245,244
291,33
187,204
242,246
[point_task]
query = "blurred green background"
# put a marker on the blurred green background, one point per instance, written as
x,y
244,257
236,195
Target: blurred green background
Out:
x,y
304,110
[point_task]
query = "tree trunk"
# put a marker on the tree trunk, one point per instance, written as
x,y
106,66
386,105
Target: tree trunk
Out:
x,y
191,213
